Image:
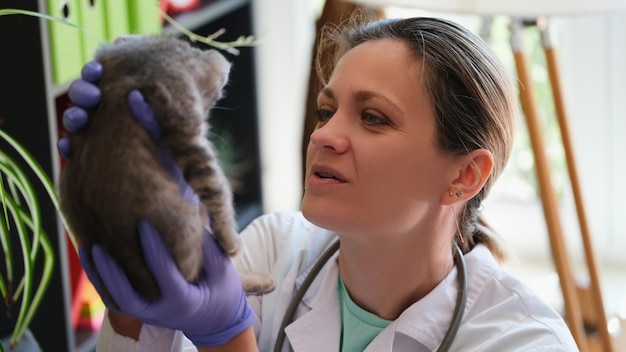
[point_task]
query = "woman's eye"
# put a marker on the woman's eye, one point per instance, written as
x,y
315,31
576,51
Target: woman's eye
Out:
x,y
373,119
324,115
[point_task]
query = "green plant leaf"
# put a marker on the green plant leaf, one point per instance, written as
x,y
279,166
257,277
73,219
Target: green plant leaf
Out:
x,y
7,168
15,210
21,189
4,208
43,178
23,208
46,276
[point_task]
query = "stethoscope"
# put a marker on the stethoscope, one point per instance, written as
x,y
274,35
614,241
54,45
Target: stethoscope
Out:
x,y
461,298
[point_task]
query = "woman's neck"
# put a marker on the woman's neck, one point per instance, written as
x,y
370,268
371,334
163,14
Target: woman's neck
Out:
x,y
385,277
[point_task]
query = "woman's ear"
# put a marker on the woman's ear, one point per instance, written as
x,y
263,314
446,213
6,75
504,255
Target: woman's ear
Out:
x,y
474,171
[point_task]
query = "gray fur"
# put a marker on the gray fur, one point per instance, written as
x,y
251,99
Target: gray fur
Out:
x,y
115,175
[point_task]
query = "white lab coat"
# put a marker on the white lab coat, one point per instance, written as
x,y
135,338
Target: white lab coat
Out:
x,y
502,313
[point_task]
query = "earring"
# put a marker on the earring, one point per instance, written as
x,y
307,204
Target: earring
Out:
x,y
451,194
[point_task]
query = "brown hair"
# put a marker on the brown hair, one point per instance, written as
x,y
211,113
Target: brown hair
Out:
x,y
470,90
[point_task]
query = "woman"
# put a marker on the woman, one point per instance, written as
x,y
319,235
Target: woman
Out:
x,y
415,124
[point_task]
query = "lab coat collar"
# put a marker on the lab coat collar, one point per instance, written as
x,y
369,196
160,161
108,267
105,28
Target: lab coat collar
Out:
x,y
412,331
421,327
324,316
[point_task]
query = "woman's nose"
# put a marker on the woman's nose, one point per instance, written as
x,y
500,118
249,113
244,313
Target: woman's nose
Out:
x,y
331,135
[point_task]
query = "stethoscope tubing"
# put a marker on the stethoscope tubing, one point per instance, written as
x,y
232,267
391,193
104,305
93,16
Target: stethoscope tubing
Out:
x,y
461,301
448,339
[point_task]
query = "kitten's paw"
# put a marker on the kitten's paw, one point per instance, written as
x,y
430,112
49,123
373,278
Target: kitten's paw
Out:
x,y
257,284
230,245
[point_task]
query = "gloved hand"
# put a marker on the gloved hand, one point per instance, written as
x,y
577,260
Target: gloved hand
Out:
x,y
210,312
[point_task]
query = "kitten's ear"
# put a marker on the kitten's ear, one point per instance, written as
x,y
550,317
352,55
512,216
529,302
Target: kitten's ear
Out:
x,y
214,70
220,66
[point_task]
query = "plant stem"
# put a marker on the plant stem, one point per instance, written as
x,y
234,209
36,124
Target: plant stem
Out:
x,y
230,47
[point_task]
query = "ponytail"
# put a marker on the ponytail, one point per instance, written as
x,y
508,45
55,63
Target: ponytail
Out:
x,y
476,230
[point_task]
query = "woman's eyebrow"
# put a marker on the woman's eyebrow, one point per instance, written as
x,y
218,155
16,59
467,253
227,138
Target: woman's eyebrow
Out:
x,y
365,95
327,93
359,96
362,96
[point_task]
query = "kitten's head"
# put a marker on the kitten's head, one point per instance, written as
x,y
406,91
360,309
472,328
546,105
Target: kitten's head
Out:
x,y
168,71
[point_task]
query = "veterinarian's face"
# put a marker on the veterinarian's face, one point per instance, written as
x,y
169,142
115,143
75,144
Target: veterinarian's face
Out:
x,y
372,164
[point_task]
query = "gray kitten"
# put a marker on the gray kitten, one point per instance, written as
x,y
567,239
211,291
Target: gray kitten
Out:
x,y
115,175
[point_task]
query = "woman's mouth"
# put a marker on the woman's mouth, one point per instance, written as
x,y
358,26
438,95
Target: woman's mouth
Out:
x,y
324,176
327,173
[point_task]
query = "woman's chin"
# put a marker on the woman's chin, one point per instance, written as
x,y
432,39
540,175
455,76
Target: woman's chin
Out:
x,y
326,217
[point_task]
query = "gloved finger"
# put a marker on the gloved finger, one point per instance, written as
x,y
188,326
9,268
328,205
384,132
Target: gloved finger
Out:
x,y
141,110
116,282
173,170
64,147
160,262
84,93
215,263
91,71
94,276
90,270
74,119
188,193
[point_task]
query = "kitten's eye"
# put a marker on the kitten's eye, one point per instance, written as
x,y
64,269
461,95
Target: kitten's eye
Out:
x,y
324,115
370,119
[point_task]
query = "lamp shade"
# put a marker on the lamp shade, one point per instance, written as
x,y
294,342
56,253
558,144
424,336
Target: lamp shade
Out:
x,y
509,7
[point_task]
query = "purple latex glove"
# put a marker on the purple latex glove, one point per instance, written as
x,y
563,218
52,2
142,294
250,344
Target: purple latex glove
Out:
x,y
210,312
84,93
